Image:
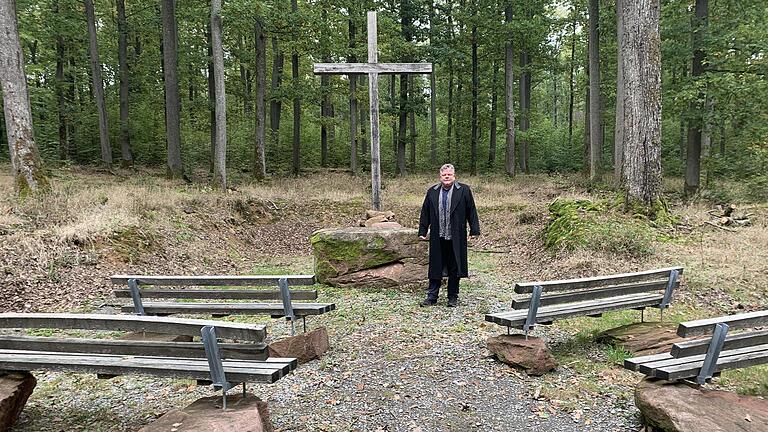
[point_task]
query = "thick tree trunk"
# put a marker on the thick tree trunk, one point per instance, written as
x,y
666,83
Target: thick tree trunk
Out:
x,y
28,173
98,86
122,56
172,101
494,104
641,67
618,134
509,98
473,120
296,104
220,161
259,155
276,103
353,166
595,111
696,124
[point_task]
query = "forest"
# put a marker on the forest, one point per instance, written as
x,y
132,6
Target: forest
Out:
x,y
518,86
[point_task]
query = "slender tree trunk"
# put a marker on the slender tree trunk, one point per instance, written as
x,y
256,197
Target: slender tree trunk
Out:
x,y
28,173
276,103
412,124
570,80
325,98
432,93
245,77
402,124
259,156
61,101
641,67
509,97
524,113
296,103
595,112
211,100
393,106
449,135
220,161
122,55
172,101
352,99
71,77
618,134
98,86
695,125
364,120
587,137
473,120
494,114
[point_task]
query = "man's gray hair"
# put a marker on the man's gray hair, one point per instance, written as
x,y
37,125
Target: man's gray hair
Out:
x,y
447,167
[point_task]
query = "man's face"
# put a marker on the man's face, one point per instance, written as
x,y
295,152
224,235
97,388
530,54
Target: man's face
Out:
x,y
447,178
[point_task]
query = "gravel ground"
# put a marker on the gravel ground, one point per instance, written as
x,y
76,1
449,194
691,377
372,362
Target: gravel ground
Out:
x,y
392,367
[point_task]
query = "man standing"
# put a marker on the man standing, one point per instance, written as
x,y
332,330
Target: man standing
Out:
x,y
447,209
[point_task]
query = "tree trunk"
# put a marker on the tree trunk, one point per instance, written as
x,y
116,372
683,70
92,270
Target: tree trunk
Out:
x,y
494,104
695,125
641,67
98,86
412,124
595,112
525,89
570,81
172,101
473,120
220,161
28,173
325,98
259,155
296,103
352,99
211,100
393,107
276,103
64,138
449,135
509,98
402,124
432,93
618,133
122,55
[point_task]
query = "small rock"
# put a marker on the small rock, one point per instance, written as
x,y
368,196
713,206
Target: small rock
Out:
x,y
532,355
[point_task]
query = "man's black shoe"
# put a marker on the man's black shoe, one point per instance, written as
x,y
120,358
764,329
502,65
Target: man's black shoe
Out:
x,y
453,302
426,303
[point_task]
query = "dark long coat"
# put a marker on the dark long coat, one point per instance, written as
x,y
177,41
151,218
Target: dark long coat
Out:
x,y
463,212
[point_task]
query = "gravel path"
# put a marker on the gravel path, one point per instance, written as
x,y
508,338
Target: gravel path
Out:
x,y
392,367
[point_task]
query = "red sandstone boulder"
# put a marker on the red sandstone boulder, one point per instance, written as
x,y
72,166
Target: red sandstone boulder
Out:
x,y
532,355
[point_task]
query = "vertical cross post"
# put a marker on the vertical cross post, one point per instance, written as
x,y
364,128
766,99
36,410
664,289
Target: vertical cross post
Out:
x,y
373,91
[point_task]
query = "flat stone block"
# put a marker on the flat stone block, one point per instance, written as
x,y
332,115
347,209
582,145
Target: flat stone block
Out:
x,y
243,414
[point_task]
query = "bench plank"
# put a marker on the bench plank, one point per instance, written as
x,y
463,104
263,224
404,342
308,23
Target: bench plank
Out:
x,y
134,323
707,326
274,309
251,294
246,280
635,362
649,368
548,313
596,293
236,370
699,346
240,351
752,356
596,281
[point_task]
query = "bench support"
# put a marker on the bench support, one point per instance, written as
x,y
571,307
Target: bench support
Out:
x,y
285,294
138,306
219,380
530,320
673,275
713,353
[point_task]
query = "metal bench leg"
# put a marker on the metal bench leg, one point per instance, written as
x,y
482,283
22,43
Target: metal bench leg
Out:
x,y
673,275
533,309
285,293
138,306
642,315
304,320
243,389
215,365
713,353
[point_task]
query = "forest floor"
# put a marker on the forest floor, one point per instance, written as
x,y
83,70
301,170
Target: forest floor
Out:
x,y
392,365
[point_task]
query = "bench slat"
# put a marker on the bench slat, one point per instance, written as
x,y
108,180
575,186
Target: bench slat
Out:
x,y
596,281
699,346
236,370
132,347
549,313
274,309
649,368
707,326
218,280
217,294
134,323
756,356
596,293
635,362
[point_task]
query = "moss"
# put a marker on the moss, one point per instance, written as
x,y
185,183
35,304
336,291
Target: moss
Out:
x,y
336,256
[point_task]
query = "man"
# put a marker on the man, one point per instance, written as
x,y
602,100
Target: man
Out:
x,y
447,209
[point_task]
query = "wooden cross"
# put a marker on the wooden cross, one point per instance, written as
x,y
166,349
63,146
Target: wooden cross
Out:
x,y
373,68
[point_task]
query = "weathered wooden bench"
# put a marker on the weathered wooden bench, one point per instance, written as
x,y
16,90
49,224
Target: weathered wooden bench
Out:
x,y
225,301
222,364
701,359
552,300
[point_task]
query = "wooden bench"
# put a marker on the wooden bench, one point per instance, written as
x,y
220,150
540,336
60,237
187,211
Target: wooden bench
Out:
x,y
222,364
244,301
701,359
592,296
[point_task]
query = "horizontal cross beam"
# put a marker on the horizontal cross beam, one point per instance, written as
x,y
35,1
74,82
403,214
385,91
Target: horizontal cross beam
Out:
x,y
365,68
